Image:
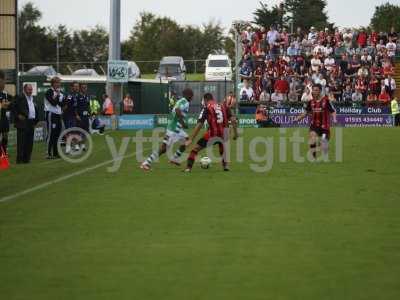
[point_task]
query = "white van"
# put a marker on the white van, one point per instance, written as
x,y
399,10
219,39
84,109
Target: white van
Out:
x,y
218,67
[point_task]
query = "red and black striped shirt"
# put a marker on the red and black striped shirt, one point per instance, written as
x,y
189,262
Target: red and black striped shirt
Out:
x,y
320,113
217,117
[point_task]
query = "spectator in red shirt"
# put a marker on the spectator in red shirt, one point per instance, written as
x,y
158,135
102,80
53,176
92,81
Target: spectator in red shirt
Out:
x,y
281,86
373,86
375,70
374,37
388,70
362,39
384,97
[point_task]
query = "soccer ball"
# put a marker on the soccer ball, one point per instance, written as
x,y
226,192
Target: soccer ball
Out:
x,y
205,163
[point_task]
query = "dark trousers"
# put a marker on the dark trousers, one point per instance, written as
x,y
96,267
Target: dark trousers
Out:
x,y
397,120
25,138
53,122
4,140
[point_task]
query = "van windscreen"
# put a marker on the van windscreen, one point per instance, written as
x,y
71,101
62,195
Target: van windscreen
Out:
x,y
218,64
170,69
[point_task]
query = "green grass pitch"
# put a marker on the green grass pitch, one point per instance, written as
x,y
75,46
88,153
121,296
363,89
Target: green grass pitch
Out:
x,y
301,231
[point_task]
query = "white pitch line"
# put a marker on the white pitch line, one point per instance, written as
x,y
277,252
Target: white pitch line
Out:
x,y
61,179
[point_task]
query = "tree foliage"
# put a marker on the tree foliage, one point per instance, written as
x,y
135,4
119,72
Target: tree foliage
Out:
x,y
302,13
35,41
151,38
266,17
386,16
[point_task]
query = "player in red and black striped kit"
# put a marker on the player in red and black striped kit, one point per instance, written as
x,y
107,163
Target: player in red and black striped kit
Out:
x,y
218,117
320,110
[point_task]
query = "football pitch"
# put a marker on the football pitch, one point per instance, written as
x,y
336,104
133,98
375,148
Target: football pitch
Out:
x,y
300,231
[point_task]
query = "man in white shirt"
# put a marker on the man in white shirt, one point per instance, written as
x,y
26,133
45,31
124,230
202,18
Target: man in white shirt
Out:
x,y
315,64
390,85
391,48
312,36
247,92
357,97
26,118
319,49
329,63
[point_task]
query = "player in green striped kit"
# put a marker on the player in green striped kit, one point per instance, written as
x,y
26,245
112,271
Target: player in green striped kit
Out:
x,y
175,132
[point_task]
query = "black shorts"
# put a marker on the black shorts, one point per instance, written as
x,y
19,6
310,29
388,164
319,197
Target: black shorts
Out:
x,y
321,131
203,143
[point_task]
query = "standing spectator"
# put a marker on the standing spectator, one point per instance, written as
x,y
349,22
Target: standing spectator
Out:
x,y
391,49
362,39
26,118
52,107
390,85
273,37
108,106
4,114
128,104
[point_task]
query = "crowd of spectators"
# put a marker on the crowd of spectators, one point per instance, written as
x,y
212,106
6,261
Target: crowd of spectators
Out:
x,y
355,68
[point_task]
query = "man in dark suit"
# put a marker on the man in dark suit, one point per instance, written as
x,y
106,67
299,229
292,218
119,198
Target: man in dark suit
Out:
x,y
26,118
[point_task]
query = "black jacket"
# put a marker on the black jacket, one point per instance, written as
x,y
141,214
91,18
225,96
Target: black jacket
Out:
x,y
4,122
21,112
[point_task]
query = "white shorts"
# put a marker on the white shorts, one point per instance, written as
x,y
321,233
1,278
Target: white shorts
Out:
x,y
172,137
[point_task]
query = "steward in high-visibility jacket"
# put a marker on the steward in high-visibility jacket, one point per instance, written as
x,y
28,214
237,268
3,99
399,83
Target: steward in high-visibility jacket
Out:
x,y
395,112
94,107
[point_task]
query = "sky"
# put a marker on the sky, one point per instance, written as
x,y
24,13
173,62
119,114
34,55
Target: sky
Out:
x,y
83,14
